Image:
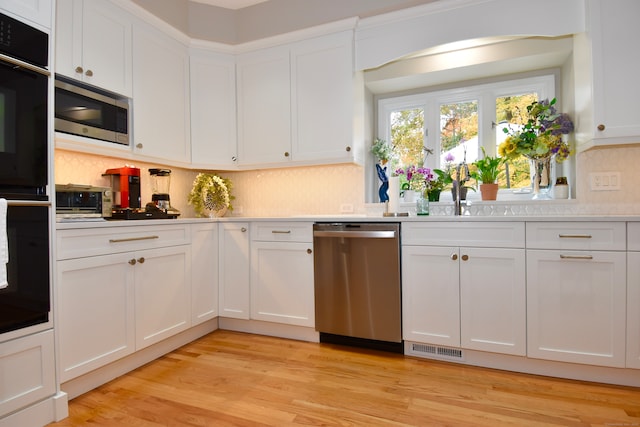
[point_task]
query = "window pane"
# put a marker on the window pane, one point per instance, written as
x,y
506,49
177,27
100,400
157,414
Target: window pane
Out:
x,y
510,111
407,137
459,131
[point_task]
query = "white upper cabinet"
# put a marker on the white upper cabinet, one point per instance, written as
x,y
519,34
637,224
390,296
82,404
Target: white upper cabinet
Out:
x,y
264,107
160,96
36,11
213,109
298,104
93,44
606,75
323,94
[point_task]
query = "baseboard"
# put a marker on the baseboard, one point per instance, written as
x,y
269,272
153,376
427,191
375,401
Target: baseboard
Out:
x,y
96,378
300,333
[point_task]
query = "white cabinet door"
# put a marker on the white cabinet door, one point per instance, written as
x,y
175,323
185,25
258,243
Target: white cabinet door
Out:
x,y
234,270
213,110
36,11
322,81
162,293
493,300
282,282
93,44
576,305
431,295
95,309
28,371
606,77
160,96
204,272
633,309
264,106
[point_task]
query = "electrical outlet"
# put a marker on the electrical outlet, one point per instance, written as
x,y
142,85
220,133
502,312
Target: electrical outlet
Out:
x,y
346,208
604,181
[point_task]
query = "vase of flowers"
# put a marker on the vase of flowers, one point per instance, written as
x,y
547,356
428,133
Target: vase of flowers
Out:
x,y
210,195
541,138
415,181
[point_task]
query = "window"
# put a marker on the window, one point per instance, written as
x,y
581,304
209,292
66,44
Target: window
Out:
x,y
431,127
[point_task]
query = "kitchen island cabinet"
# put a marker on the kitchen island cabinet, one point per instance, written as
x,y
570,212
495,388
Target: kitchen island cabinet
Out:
x,y
94,44
465,296
282,273
576,292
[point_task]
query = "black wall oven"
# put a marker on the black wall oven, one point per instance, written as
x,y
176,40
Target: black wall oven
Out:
x,y
24,155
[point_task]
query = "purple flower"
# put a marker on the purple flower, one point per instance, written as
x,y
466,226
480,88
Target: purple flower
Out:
x,y
449,157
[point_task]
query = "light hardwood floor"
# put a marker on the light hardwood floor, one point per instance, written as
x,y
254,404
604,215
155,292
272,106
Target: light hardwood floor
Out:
x,y
235,379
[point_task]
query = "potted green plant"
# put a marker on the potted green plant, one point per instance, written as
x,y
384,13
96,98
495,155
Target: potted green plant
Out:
x,y
486,171
210,195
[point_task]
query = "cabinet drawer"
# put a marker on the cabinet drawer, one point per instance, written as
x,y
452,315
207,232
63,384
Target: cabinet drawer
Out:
x,y
579,236
108,240
477,234
633,236
282,231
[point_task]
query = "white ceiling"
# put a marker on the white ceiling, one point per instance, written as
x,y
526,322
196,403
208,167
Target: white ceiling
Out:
x,y
230,4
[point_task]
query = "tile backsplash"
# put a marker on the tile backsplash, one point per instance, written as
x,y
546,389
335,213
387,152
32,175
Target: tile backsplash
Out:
x,y
327,189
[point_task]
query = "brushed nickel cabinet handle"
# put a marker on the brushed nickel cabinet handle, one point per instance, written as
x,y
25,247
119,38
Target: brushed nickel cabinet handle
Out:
x,y
574,236
281,231
133,239
576,256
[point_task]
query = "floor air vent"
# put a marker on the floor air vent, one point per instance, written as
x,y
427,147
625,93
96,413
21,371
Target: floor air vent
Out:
x,y
435,352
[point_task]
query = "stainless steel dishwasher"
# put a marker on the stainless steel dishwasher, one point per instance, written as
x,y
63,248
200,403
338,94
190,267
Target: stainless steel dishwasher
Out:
x,y
357,284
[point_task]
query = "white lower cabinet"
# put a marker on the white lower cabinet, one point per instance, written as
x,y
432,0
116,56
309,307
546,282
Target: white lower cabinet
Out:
x,y
469,297
204,272
27,371
633,295
576,298
119,300
282,273
234,270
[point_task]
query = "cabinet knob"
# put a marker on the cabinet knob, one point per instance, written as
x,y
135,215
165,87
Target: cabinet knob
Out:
x,y
79,69
286,154
348,148
141,260
139,145
309,251
89,73
234,158
601,127
132,261
465,257
243,229
454,257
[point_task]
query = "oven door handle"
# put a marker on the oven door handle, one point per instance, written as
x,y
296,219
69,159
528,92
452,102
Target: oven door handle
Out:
x,y
13,62
28,203
374,234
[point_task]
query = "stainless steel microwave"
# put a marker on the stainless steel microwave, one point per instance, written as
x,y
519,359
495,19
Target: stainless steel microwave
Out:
x,y
91,112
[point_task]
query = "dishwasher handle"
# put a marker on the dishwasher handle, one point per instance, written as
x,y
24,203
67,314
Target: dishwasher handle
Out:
x,y
373,234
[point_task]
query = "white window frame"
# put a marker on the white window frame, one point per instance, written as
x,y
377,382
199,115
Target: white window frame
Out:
x,y
485,94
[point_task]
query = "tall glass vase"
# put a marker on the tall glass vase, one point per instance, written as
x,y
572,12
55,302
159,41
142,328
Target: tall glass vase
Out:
x,y
541,177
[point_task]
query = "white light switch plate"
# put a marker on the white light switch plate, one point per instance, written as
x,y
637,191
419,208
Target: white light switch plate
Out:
x,y
604,181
